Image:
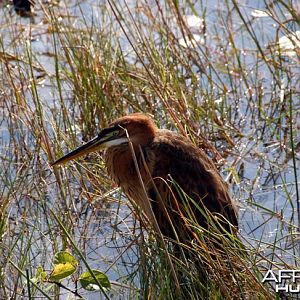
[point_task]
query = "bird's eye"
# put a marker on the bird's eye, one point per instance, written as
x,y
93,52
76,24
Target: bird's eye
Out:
x,y
115,133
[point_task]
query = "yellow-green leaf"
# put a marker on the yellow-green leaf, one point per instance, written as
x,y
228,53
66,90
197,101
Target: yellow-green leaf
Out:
x,y
61,271
65,257
65,264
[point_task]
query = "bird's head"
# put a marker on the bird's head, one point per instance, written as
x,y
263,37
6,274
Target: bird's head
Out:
x,y
139,128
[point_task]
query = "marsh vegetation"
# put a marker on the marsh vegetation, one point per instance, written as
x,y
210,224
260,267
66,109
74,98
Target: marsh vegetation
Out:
x,y
224,73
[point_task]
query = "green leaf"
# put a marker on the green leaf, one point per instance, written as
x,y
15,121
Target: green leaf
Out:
x,y
88,282
40,275
65,257
65,265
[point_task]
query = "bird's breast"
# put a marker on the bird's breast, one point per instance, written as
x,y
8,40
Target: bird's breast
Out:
x,y
123,171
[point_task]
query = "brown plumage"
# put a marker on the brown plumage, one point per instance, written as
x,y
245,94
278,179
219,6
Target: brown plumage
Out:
x,y
165,161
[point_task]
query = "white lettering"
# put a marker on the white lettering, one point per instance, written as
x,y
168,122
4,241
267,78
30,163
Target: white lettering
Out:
x,y
284,288
296,290
269,276
295,276
285,280
282,276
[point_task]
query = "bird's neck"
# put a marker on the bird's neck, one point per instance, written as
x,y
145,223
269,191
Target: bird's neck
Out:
x,y
120,163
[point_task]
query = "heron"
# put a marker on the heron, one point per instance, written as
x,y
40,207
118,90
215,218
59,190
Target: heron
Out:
x,y
155,168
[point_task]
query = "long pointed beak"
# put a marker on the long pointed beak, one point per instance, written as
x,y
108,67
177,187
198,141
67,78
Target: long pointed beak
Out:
x,y
94,144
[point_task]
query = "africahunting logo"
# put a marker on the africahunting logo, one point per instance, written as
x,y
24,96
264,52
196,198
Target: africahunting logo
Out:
x,y
287,281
